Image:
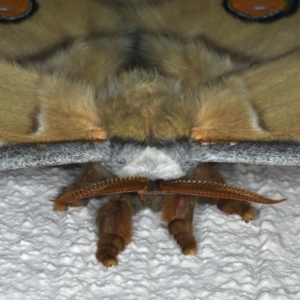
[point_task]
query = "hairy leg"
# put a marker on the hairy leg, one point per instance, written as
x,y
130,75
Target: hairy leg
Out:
x,y
178,211
114,227
228,206
113,218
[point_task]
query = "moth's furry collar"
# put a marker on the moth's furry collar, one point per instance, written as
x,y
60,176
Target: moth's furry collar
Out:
x,y
165,161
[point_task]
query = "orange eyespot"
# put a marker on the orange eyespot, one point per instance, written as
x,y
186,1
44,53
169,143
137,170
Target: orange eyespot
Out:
x,y
261,10
258,8
13,10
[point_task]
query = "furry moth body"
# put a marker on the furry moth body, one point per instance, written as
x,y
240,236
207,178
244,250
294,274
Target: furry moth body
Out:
x,y
131,70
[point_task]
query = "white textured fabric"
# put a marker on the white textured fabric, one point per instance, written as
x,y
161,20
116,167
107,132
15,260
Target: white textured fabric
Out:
x,y
46,255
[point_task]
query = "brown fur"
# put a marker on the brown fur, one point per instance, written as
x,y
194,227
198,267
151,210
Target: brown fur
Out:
x,y
178,213
56,22
243,209
145,105
183,97
260,104
193,61
62,106
209,20
114,222
92,59
53,105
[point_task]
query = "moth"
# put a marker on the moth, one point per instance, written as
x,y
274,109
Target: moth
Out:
x,y
152,77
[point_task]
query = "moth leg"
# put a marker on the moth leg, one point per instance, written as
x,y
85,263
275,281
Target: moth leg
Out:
x,y
91,173
178,211
240,208
64,190
228,206
114,227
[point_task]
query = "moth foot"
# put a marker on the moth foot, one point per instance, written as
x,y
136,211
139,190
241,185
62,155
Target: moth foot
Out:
x,y
106,254
107,260
108,248
248,215
234,207
189,248
60,207
187,243
183,234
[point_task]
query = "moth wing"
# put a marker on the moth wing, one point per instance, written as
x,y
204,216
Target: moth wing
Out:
x,y
258,104
48,94
38,107
240,79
